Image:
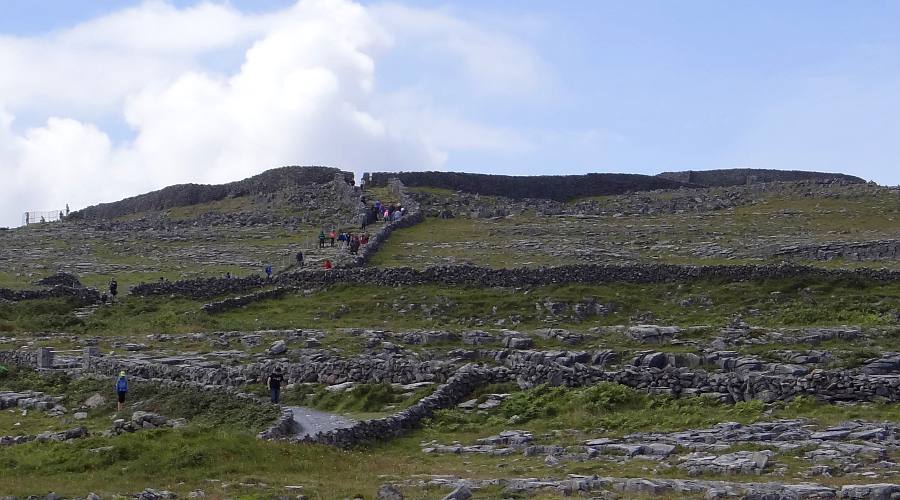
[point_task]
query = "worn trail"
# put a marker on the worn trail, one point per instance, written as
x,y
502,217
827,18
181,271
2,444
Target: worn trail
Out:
x,y
311,422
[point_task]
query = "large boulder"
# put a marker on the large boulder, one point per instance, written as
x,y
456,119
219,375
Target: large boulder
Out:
x,y
652,334
277,348
95,401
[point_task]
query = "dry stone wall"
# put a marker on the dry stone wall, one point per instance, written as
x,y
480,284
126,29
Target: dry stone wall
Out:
x,y
482,276
457,388
553,187
739,176
856,251
78,294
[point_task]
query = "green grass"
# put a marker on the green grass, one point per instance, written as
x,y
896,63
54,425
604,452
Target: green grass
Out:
x,y
607,408
828,414
209,408
770,303
216,457
749,232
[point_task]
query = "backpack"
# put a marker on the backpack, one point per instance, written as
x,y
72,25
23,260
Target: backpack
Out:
x,y
122,385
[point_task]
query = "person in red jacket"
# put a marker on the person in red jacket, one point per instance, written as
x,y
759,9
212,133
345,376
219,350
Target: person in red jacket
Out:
x,y
328,264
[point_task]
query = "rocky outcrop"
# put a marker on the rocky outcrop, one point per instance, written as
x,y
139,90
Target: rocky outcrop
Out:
x,y
191,194
66,435
28,400
636,486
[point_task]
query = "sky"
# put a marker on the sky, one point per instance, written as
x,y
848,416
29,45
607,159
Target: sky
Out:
x,y
100,100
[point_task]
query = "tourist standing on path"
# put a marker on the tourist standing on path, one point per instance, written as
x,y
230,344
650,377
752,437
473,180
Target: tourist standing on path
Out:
x,y
113,289
268,271
331,237
121,390
299,258
321,239
274,384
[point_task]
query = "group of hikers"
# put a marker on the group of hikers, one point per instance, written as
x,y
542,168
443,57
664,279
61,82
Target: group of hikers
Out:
x,y
273,384
349,241
379,212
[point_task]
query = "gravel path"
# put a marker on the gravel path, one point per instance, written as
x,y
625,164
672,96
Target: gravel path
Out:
x,y
311,422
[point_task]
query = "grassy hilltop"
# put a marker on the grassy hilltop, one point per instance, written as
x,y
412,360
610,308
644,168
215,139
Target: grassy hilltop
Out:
x,y
776,331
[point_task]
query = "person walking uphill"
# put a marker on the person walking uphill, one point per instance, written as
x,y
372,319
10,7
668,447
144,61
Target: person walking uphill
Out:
x,y
321,239
113,289
121,390
274,384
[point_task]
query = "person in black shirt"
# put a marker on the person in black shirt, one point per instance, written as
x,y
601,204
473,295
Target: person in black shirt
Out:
x,y
274,384
113,289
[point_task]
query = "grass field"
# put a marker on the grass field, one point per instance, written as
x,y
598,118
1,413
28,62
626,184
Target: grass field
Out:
x,y
745,234
773,303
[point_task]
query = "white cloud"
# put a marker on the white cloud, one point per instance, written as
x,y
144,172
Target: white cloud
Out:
x,y
495,63
305,93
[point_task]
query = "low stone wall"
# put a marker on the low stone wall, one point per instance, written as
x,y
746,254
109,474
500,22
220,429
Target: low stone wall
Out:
x,y
200,288
414,215
235,302
731,387
869,250
313,369
284,427
78,294
739,176
528,369
517,277
458,387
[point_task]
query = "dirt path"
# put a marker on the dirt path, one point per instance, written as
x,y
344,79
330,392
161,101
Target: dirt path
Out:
x,y
311,422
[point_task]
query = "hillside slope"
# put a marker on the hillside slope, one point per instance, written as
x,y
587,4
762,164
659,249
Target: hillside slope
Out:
x,y
181,195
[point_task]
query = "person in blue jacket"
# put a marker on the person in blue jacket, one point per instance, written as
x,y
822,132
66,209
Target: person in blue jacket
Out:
x,y
121,389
